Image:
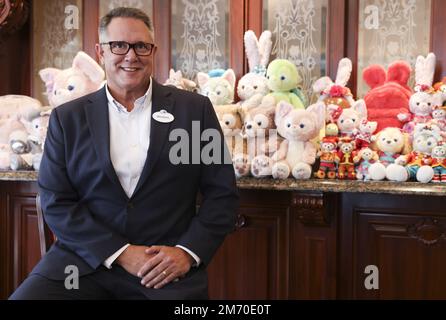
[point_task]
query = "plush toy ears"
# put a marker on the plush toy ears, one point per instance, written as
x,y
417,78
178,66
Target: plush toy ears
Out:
x,y
425,70
344,71
374,76
361,108
257,51
173,74
229,75
322,84
48,75
399,72
88,66
202,79
318,109
283,109
265,46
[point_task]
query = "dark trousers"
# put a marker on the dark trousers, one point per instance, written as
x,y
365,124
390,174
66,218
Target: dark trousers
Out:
x,y
105,284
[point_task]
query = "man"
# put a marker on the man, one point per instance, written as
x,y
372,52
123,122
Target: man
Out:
x,y
124,215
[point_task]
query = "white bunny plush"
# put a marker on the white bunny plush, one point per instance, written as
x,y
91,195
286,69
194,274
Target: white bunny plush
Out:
x,y
252,87
423,101
218,86
177,80
336,93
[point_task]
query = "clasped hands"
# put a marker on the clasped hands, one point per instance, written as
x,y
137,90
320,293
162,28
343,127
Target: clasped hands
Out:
x,y
155,265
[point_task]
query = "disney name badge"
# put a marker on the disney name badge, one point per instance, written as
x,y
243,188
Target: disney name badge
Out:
x,y
163,116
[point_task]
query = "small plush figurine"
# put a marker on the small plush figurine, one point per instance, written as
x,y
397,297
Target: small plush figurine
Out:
x,y
365,157
252,87
218,88
425,98
439,118
30,157
364,134
350,118
417,164
297,153
176,80
14,108
390,143
327,156
260,132
389,94
231,125
84,76
440,87
336,93
283,80
439,162
344,159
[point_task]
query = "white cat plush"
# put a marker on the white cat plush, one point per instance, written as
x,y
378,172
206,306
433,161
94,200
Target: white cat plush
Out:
x,y
253,86
219,89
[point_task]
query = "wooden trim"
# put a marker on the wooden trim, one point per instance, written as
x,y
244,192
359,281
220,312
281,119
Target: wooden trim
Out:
x,y
335,35
437,38
162,22
351,36
236,33
90,24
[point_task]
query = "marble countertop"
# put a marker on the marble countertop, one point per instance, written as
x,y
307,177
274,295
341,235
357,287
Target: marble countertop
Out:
x,y
409,188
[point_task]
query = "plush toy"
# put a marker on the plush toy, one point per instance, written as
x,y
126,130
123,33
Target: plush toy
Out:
x,y
327,156
252,87
84,76
389,94
417,164
344,158
350,119
364,134
231,125
336,93
441,88
390,143
365,158
425,98
176,80
30,157
297,153
14,108
439,163
439,118
283,80
218,86
260,132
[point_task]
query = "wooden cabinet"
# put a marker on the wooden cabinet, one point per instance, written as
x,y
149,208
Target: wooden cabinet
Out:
x,y
405,237
289,244
19,238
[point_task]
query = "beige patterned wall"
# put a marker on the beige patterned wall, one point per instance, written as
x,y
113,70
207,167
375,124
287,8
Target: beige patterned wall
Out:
x,y
57,37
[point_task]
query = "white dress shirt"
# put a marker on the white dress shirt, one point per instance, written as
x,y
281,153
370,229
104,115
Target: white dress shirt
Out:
x,y
129,144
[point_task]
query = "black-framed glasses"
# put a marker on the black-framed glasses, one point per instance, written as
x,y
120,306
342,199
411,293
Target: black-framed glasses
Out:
x,y
122,48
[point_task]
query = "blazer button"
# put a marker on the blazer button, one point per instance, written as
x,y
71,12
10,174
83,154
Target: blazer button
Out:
x,y
130,205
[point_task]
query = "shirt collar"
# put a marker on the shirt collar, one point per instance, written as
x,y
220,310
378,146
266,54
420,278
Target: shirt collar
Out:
x,y
140,104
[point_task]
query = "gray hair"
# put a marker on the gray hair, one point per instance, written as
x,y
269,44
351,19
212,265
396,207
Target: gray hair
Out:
x,y
124,12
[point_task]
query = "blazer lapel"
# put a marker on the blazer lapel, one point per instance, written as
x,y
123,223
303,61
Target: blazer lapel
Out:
x,y
159,132
98,121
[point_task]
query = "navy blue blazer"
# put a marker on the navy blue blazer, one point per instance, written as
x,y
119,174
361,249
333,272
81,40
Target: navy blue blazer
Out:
x,y
89,212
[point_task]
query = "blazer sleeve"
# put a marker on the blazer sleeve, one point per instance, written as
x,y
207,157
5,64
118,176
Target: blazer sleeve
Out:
x,y
220,199
70,219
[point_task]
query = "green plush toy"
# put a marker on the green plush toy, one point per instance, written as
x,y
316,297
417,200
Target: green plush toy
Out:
x,y
283,79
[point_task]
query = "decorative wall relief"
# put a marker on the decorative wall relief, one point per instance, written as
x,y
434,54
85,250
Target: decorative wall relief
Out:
x,y
299,35
57,30
199,36
391,30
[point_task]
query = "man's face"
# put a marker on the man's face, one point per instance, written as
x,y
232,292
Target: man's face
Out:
x,y
128,73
